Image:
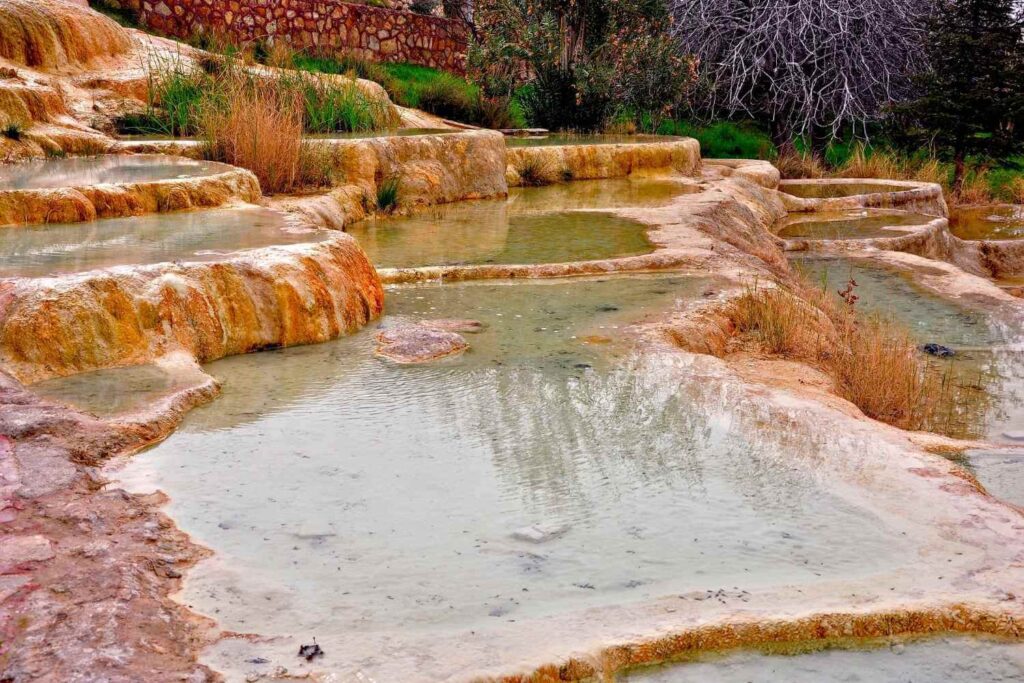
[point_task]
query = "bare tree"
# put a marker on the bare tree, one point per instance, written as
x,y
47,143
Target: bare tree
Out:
x,y
809,67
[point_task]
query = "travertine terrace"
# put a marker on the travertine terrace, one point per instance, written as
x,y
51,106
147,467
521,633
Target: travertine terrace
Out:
x,y
554,470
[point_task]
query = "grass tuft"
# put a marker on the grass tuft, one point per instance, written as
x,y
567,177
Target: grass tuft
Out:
x,y
535,170
14,130
387,194
874,362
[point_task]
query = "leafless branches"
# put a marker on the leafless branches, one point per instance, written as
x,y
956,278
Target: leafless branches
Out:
x,y
809,66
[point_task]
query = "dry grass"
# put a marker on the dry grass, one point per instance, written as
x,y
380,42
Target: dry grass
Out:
x,y
259,127
865,163
874,362
1015,190
975,188
797,165
536,169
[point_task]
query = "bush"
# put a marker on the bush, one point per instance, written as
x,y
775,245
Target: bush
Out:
x,y
449,98
179,95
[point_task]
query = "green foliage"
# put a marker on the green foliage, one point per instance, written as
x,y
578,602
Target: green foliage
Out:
x,y
724,139
387,194
450,98
332,107
179,94
581,62
972,98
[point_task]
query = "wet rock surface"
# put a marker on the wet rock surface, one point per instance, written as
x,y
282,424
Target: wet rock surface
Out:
x,y
424,341
85,572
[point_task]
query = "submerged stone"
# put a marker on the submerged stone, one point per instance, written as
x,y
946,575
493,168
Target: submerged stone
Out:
x,y
540,533
938,350
421,342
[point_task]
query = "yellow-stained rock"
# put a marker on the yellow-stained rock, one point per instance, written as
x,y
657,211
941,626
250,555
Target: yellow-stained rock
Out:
x,y
280,296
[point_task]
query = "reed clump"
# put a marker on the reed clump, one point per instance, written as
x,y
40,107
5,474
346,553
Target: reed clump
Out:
x,y
873,361
259,126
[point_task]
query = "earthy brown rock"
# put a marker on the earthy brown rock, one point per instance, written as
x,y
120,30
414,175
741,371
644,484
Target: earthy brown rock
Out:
x,y
409,343
57,34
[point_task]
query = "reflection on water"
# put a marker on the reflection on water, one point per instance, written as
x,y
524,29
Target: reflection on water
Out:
x,y
334,485
38,251
832,190
558,139
987,222
534,225
851,225
120,168
950,659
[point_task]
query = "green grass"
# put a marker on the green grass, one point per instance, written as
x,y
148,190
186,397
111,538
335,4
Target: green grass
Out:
x,y
178,95
387,195
724,139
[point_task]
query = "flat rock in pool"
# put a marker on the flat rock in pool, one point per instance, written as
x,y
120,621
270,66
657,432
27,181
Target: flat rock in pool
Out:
x,y
938,350
418,343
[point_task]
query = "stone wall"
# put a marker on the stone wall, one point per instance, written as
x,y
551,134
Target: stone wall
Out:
x,y
370,32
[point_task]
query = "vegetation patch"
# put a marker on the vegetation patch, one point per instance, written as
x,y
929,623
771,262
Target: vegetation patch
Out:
x,y
873,361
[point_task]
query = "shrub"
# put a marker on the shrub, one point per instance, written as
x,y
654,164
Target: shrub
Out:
x,y
449,98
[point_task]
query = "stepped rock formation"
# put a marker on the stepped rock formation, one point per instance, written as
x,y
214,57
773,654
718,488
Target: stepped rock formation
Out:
x,y
51,34
589,162
279,296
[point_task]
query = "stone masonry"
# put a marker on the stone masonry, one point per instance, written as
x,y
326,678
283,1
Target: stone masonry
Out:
x,y
370,32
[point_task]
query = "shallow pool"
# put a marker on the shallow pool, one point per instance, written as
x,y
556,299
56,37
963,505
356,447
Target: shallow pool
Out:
x,y
813,190
53,249
547,469
936,660
97,170
1004,222
849,225
534,225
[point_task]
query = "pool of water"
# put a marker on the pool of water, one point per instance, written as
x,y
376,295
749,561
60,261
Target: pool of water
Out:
x,y
945,659
849,225
813,190
559,139
115,168
117,391
534,225
333,485
53,249
988,222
